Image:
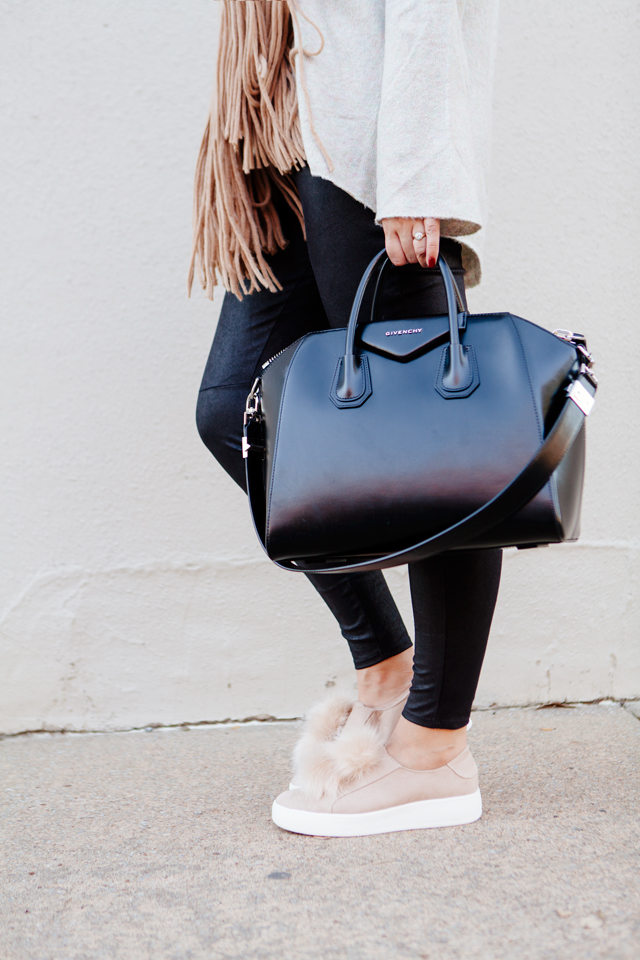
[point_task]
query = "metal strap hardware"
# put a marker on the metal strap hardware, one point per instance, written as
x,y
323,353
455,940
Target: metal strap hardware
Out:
x,y
577,339
252,440
586,371
581,397
253,408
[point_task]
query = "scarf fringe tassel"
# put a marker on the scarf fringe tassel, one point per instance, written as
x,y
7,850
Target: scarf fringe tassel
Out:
x,y
251,143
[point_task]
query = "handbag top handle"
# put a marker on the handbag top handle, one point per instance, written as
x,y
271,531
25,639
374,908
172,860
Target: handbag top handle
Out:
x,y
456,372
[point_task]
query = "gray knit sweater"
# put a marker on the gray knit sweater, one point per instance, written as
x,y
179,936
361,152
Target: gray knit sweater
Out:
x,y
400,98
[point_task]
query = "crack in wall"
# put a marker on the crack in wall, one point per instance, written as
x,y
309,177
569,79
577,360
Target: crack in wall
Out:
x,y
632,707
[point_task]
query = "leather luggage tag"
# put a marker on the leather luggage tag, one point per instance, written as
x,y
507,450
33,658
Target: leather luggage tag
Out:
x,y
405,339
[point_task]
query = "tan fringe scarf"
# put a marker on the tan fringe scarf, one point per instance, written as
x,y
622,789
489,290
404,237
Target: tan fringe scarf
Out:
x,y
251,142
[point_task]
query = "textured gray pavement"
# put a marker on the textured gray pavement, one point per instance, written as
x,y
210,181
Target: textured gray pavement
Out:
x,y
159,845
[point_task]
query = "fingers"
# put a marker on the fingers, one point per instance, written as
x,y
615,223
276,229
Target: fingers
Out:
x,y
428,248
398,236
432,229
420,246
405,232
401,245
394,247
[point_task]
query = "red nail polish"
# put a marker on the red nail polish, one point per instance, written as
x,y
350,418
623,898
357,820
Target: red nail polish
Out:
x,y
432,261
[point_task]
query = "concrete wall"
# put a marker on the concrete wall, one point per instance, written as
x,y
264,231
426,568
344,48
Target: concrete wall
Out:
x,y
132,589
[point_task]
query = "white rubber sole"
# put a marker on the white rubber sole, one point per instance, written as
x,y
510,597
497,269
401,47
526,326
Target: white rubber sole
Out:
x,y
421,815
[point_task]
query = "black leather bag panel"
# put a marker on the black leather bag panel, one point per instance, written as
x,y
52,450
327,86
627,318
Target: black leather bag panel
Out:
x,y
376,476
418,427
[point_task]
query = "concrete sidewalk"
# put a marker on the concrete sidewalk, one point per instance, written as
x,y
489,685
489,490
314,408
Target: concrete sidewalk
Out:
x,y
159,845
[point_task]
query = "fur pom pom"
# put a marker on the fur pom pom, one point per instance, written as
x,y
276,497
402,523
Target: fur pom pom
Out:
x,y
327,758
356,754
324,722
328,717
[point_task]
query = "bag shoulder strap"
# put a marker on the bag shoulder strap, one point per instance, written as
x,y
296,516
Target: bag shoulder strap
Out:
x,y
529,482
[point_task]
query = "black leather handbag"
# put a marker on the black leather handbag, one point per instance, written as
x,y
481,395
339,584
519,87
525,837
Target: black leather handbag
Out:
x,y
395,440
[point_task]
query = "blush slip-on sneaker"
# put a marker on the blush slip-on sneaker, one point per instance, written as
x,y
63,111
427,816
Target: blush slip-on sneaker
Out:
x,y
332,727
336,728
386,799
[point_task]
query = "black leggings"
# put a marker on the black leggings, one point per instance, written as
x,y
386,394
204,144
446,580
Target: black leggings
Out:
x,y
453,595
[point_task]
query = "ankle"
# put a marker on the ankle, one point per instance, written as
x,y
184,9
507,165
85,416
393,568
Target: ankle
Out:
x,y
385,682
425,748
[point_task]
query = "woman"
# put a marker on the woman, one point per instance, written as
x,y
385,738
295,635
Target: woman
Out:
x,y
381,138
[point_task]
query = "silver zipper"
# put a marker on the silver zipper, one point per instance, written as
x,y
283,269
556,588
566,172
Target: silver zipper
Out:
x,y
275,357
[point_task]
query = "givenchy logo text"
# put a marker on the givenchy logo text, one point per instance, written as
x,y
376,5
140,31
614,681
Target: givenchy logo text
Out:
x,y
398,333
